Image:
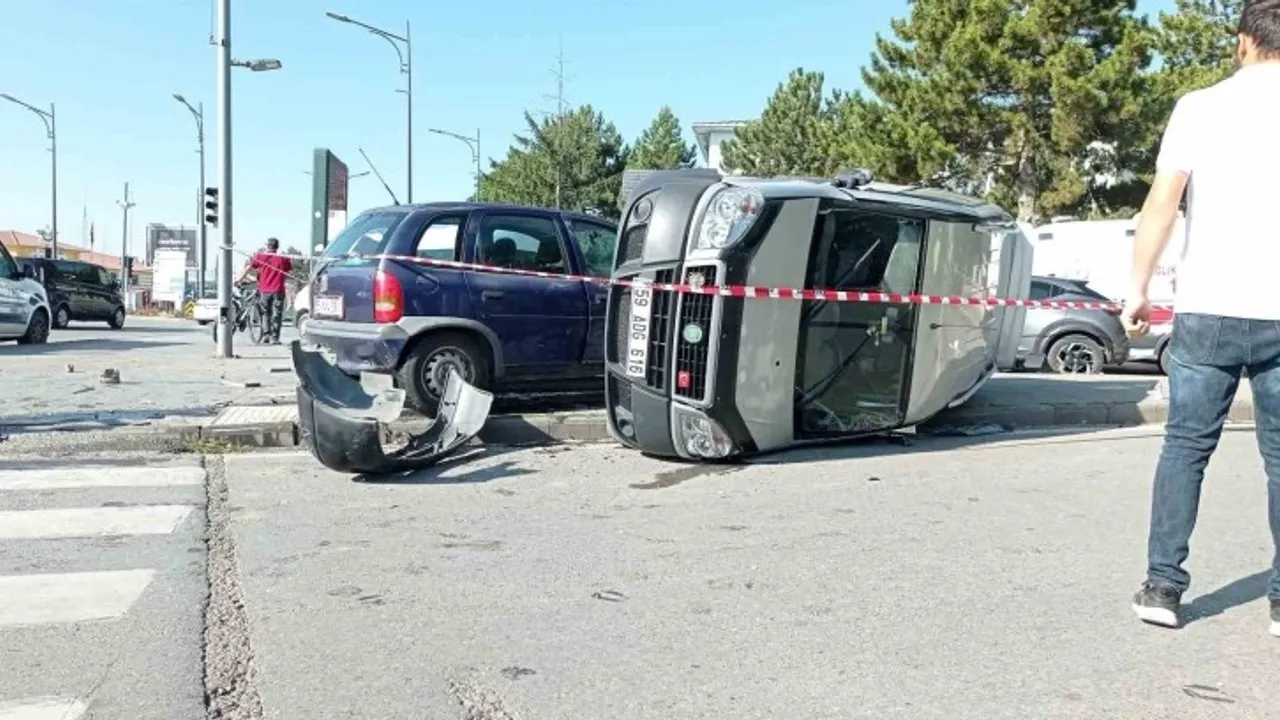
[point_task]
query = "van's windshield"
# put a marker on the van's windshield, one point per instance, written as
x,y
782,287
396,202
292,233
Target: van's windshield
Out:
x,y
366,235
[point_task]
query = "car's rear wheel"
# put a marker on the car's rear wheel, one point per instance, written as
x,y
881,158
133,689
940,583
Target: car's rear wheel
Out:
x,y
1076,355
61,317
424,373
117,319
37,329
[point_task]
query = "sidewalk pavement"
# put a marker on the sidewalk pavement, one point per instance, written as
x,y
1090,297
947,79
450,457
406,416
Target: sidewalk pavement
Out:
x,y
1005,404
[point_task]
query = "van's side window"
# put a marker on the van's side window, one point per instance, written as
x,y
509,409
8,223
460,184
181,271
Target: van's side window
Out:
x,y
866,251
439,239
523,242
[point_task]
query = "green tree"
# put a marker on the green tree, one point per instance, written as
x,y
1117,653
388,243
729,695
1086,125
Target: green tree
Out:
x,y
573,161
1030,100
1197,44
794,135
662,145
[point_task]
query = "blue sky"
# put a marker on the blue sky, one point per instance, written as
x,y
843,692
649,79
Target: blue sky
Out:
x,y
112,68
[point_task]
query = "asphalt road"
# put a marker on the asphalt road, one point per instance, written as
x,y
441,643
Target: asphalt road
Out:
x,y
951,579
167,368
102,589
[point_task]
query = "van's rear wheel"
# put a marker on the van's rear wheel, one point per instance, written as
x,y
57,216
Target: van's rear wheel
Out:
x,y
425,370
1076,355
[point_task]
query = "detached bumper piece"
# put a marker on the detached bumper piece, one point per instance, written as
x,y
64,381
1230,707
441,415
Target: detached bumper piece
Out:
x,y
344,425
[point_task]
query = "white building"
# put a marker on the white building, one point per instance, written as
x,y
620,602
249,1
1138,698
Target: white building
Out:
x,y
709,136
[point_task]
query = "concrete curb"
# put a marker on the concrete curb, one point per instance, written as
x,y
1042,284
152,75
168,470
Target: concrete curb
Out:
x,y
589,425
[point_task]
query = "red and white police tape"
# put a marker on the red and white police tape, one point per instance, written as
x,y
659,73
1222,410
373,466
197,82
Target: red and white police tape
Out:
x,y
695,287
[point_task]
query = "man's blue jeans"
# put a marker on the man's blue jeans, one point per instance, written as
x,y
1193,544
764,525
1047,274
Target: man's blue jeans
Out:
x,y
1208,354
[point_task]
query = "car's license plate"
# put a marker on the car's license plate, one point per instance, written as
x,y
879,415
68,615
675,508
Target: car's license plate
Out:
x,y
638,331
328,306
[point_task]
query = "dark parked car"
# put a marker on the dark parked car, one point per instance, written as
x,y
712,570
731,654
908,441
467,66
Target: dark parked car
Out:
x,y
1071,341
79,291
497,331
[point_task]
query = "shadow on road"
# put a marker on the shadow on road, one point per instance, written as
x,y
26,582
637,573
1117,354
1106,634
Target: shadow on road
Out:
x,y
1241,592
432,475
132,328
78,345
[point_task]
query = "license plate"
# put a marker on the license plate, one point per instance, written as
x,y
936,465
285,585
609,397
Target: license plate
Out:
x,y
328,306
638,331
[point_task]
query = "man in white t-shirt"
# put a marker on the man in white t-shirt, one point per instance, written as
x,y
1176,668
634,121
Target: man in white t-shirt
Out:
x,y
1222,146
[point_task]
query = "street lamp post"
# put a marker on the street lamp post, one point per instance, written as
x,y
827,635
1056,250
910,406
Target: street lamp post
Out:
x,y
474,144
406,67
226,259
202,259
50,119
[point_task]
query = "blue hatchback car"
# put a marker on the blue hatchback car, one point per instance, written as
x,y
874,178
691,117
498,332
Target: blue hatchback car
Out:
x,y
498,331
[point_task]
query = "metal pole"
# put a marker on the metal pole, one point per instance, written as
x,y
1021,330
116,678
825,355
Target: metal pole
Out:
x,y
202,263
408,71
224,180
53,149
124,204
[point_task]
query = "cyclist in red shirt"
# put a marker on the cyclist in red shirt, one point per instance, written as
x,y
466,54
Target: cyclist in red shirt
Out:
x,y
272,270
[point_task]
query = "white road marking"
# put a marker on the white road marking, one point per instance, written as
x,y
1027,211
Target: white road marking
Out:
x,y
100,476
69,597
91,522
42,709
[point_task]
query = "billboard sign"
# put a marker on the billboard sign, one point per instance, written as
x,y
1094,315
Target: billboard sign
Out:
x,y
329,177
169,275
174,238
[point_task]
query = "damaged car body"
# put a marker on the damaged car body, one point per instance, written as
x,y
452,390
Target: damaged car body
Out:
x,y
345,424
713,377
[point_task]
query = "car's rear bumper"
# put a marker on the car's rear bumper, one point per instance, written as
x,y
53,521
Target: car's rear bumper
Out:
x,y
359,347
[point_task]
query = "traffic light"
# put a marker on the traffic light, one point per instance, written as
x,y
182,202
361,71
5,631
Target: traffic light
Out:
x,y
211,206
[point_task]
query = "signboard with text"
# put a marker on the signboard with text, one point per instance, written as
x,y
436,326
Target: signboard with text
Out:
x,y
329,177
173,238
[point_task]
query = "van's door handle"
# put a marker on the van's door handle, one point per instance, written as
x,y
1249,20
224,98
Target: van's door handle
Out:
x,y
492,295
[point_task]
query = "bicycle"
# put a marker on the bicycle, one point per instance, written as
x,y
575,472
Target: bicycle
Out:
x,y
246,310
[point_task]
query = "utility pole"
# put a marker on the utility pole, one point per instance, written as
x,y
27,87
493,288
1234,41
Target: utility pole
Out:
x,y
125,204
197,112
225,258
50,119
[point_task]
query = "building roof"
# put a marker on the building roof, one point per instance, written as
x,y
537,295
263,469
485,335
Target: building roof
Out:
x,y
702,132
14,239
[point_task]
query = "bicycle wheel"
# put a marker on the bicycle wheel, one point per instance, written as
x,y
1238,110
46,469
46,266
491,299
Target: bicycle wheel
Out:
x,y
256,324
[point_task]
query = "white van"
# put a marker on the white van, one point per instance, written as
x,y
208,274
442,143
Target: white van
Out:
x,y
24,304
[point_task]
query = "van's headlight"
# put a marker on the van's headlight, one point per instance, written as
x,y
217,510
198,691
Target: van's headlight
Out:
x,y
729,215
700,436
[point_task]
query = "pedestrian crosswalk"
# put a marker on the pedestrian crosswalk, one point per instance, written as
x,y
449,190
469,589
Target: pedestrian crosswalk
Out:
x,y
96,573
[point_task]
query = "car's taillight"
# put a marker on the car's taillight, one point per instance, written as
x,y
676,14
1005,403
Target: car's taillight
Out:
x,y
388,298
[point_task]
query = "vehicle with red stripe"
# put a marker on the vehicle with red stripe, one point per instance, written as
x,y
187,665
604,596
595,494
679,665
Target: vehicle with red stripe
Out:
x,y
892,325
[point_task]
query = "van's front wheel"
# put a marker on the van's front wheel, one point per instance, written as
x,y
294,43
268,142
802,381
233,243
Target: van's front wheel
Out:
x,y
424,373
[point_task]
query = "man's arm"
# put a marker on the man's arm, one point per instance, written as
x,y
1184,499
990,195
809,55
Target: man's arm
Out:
x,y
253,264
1160,211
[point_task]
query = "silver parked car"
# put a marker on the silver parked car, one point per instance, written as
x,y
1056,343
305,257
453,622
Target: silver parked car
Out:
x,y
1071,341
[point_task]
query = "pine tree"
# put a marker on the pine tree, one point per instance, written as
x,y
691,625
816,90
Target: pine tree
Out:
x,y
662,145
1030,99
794,135
579,151
1197,44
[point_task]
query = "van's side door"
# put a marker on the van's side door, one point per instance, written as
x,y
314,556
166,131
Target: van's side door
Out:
x,y
595,241
541,322
71,281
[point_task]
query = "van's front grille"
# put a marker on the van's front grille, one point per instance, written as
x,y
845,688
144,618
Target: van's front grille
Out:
x,y
659,332
619,398
693,336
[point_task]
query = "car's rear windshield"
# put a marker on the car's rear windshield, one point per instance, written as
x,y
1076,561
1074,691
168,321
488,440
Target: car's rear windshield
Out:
x,y
366,235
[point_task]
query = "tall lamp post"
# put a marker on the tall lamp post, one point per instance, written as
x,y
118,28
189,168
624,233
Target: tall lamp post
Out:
x,y
226,259
202,259
406,67
474,144
51,127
